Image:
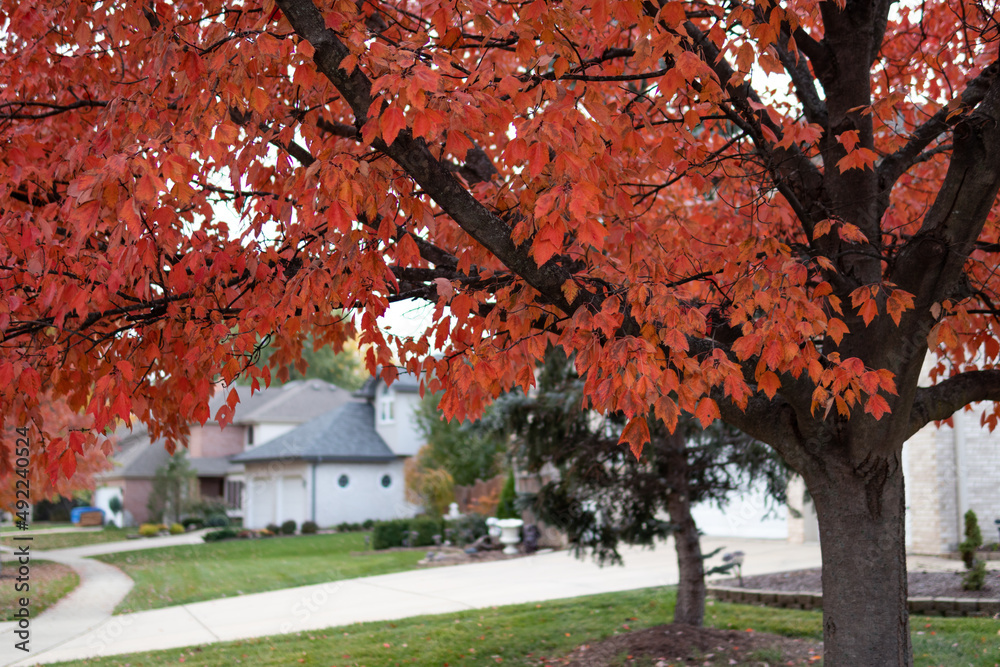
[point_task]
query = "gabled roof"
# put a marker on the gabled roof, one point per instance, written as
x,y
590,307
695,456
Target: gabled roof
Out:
x,y
293,403
248,402
139,458
345,434
406,383
136,455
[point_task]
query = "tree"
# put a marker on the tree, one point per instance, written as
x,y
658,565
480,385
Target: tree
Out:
x,y
614,178
342,369
507,506
427,484
975,574
115,506
171,493
467,450
602,495
30,466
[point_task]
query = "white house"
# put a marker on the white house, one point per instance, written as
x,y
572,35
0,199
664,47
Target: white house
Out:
x,y
343,466
259,417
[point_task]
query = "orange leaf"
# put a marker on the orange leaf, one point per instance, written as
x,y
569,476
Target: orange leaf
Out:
x,y
68,463
259,100
636,434
538,157
707,412
868,310
390,123
876,406
822,228
897,303
666,411
769,383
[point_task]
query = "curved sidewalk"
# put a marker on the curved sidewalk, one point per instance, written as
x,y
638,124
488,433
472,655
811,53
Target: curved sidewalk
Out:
x,y
392,596
89,606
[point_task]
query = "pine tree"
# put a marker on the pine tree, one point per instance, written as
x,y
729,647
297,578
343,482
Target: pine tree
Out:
x,y
603,496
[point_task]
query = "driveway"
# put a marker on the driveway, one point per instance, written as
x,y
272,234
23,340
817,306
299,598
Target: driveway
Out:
x,y
386,597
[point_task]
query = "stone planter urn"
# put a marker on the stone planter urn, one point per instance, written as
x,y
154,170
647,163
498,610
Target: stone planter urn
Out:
x,y
510,534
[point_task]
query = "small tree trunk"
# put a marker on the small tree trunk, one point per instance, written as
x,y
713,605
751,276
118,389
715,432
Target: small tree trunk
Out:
x,y
862,537
690,607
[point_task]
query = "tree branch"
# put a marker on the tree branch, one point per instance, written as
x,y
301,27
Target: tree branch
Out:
x,y
417,160
895,165
948,396
932,262
53,109
795,176
805,85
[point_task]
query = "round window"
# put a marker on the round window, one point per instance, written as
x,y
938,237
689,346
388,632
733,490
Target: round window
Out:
x,y
386,481
343,481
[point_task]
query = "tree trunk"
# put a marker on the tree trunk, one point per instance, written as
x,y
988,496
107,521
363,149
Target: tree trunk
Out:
x,y
862,537
690,607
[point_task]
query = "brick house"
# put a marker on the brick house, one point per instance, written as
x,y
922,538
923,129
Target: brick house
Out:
x,y
949,470
258,418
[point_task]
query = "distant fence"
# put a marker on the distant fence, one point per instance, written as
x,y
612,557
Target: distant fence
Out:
x,y
481,497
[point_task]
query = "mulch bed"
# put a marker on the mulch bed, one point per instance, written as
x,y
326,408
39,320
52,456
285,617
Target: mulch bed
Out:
x,y
676,644
457,556
920,584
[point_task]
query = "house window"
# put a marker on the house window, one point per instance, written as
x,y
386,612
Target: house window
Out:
x,y
386,412
386,481
234,495
343,481
250,436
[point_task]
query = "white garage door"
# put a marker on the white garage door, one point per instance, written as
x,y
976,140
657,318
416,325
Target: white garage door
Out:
x,y
293,500
261,498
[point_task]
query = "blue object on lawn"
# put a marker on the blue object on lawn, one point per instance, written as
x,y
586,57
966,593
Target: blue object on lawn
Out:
x,y
74,514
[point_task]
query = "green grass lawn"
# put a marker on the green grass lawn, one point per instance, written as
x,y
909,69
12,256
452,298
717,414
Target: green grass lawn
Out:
x,y
536,634
37,525
48,583
66,540
192,573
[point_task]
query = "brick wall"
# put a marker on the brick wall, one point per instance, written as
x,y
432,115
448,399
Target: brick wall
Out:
x,y
932,483
136,495
210,441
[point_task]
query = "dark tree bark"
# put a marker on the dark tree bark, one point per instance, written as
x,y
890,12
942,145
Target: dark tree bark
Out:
x,y
690,608
865,619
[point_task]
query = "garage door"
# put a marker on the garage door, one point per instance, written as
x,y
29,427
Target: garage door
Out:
x,y
293,500
261,498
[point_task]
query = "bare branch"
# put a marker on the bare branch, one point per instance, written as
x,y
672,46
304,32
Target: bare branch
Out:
x,y
795,176
805,85
948,396
52,109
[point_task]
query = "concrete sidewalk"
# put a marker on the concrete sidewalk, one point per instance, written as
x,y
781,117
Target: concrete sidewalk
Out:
x,y
88,606
91,603
385,597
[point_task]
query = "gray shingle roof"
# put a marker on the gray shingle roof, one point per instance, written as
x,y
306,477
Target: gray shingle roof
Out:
x,y
293,403
345,434
212,467
406,383
136,456
248,402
